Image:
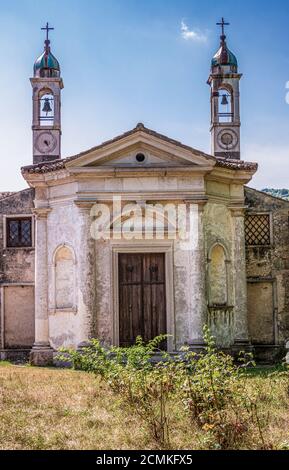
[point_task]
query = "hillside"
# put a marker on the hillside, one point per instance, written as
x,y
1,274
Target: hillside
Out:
x,y
282,193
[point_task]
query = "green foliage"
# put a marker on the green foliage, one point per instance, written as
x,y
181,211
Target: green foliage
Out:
x,y
209,388
131,373
213,394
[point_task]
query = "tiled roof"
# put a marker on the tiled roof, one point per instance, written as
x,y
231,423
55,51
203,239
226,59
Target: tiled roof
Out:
x,y
3,195
236,164
55,165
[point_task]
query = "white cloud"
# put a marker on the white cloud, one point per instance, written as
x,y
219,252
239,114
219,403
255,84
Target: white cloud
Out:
x,y
191,35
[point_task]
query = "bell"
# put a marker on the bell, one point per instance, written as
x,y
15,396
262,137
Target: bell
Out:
x,y
224,100
46,107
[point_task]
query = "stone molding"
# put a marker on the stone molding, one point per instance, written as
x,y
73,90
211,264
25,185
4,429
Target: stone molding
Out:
x,y
237,211
42,213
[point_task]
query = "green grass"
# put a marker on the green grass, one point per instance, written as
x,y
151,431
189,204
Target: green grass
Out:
x,y
5,364
265,371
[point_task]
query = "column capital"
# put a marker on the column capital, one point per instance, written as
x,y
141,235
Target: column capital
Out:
x,y
201,202
41,212
85,205
237,210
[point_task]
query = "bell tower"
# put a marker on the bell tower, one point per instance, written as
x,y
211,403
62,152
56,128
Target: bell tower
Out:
x,y
47,85
224,81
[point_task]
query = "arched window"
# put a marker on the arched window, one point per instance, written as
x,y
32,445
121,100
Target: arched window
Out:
x,y
218,288
46,107
64,278
225,105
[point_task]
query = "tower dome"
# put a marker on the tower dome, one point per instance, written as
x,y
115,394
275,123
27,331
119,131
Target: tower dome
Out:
x,y
224,57
47,65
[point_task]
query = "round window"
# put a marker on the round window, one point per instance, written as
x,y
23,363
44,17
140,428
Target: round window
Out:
x,y
140,158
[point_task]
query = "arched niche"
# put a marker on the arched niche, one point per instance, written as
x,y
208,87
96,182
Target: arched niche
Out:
x,y
64,270
218,276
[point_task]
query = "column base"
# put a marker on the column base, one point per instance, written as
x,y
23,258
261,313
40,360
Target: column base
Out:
x,y
242,346
287,350
82,346
197,346
41,356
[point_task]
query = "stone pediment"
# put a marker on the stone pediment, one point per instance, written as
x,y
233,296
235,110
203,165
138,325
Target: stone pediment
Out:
x,y
139,149
162,156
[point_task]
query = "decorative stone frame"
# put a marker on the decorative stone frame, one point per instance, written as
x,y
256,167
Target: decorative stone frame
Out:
x,y
165,247
18,216
54,310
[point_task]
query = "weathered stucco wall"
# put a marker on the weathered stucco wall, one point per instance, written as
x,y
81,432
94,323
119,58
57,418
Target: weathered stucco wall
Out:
x,y
16,268
268,272
94,312
17,264
224,230
19,317
261,313
68,225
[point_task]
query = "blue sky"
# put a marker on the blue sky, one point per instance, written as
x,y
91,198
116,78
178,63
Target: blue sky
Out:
x,y
126,61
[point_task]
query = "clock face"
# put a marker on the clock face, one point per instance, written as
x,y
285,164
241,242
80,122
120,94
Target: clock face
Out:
x,y
46,142
228,139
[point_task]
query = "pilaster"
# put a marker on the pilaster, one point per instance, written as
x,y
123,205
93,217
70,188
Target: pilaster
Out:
x,y
42,353
197,282
87,285
241,332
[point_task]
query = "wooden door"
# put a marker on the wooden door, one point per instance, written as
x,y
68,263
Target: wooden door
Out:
x,y
142,297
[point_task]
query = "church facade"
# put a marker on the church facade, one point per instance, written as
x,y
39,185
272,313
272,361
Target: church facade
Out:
x,y
141,236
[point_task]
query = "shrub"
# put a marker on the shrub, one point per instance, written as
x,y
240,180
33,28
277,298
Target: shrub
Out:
x,y
146,387
209,388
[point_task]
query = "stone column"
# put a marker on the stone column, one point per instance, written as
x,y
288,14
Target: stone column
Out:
x,y
241,332
42,353
86,274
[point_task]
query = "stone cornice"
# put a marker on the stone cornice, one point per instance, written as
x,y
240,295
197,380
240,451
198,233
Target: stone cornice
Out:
x,y
107,197
133,172
226,175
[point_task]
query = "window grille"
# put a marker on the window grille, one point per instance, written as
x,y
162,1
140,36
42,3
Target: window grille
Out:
x,y
257,230
19,233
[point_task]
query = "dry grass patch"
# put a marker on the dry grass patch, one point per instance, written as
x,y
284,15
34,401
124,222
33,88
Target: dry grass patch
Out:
x,y
61,409
66,409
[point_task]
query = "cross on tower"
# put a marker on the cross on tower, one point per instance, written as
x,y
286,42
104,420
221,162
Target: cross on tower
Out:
x,y
223,24
47,29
